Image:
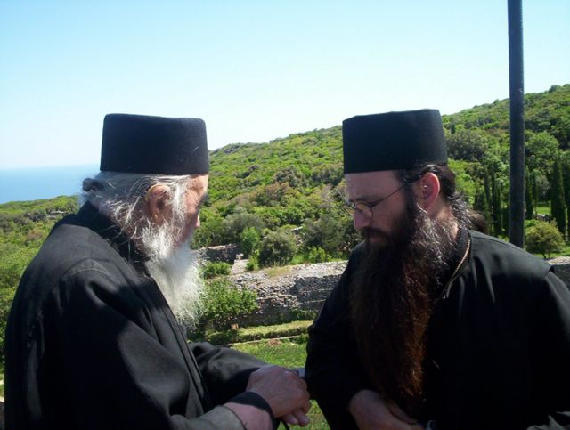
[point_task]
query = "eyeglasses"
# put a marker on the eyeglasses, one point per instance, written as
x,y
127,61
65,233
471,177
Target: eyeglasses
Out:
x,y
366,209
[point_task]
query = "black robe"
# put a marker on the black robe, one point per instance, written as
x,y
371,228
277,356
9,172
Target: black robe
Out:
x,y
498,346
92,344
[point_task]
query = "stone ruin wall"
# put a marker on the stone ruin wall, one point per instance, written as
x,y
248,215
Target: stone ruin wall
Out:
x,y
286,293
298,293
219,254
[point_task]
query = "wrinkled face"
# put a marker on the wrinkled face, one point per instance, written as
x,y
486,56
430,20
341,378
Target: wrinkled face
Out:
x,y
379,203
172,264
196,195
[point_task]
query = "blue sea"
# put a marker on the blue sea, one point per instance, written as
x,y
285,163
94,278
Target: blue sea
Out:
x,y
33,183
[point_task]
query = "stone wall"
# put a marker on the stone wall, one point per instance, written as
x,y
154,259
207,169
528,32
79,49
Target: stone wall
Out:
x,y
287,293
219,254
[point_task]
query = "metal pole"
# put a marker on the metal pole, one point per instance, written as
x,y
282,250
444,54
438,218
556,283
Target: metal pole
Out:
x,y
516,98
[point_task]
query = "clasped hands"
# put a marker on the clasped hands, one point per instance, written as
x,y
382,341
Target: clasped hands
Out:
x,y
284,391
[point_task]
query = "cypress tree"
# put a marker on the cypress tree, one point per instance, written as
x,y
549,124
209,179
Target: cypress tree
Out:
x,y
528,195
496,205
534,189
566,178
487,192
481,204
557,197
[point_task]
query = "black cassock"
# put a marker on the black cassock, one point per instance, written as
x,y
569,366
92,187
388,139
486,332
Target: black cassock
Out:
x,y
92,344
498,345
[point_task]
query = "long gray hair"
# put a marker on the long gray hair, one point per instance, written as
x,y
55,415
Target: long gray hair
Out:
x,y
120,196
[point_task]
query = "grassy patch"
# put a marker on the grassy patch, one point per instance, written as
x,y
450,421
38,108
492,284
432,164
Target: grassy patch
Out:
x,y
542,210
277,271
293,328
287,353
282,352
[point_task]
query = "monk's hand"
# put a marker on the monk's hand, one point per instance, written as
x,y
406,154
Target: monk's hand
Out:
x,y
370,412
284,391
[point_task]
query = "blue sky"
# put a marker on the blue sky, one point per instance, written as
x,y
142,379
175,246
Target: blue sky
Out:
x,y
254,70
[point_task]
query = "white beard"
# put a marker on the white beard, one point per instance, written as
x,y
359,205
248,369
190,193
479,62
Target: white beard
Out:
x,y
178,277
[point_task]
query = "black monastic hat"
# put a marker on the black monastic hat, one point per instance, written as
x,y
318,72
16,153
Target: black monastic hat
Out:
x,y
393,141
154,145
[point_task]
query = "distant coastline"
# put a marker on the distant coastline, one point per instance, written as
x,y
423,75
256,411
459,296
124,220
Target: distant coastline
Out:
x,y
31,183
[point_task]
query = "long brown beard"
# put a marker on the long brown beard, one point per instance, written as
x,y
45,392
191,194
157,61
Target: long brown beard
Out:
x,y
392,301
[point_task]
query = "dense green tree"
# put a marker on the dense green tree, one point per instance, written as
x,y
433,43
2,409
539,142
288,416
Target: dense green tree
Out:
x,y
543,238
249,240
237,222
291,176
223,304
565,162
488,197
541,186
541,151
534,186
467,144
481,205
496,205
277,247
328,174
333,232
557,197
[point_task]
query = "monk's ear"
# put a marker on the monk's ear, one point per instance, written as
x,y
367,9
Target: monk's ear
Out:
x,y
427,191
157,203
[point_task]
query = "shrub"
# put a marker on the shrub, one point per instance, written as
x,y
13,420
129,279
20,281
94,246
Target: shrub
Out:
x,y
6,296
251,266
544,238
317,255
248,240
223,303
278,247
333,232
239,221
211,270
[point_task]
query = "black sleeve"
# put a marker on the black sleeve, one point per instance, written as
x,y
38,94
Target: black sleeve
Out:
x,y
226,373
333,369
550,340
225,370
113,371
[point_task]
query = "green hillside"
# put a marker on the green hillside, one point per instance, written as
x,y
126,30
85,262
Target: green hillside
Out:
x,y
544,112
291,179
297,181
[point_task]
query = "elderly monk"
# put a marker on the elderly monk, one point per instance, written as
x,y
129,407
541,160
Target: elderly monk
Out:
x,y
432,324
96,337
